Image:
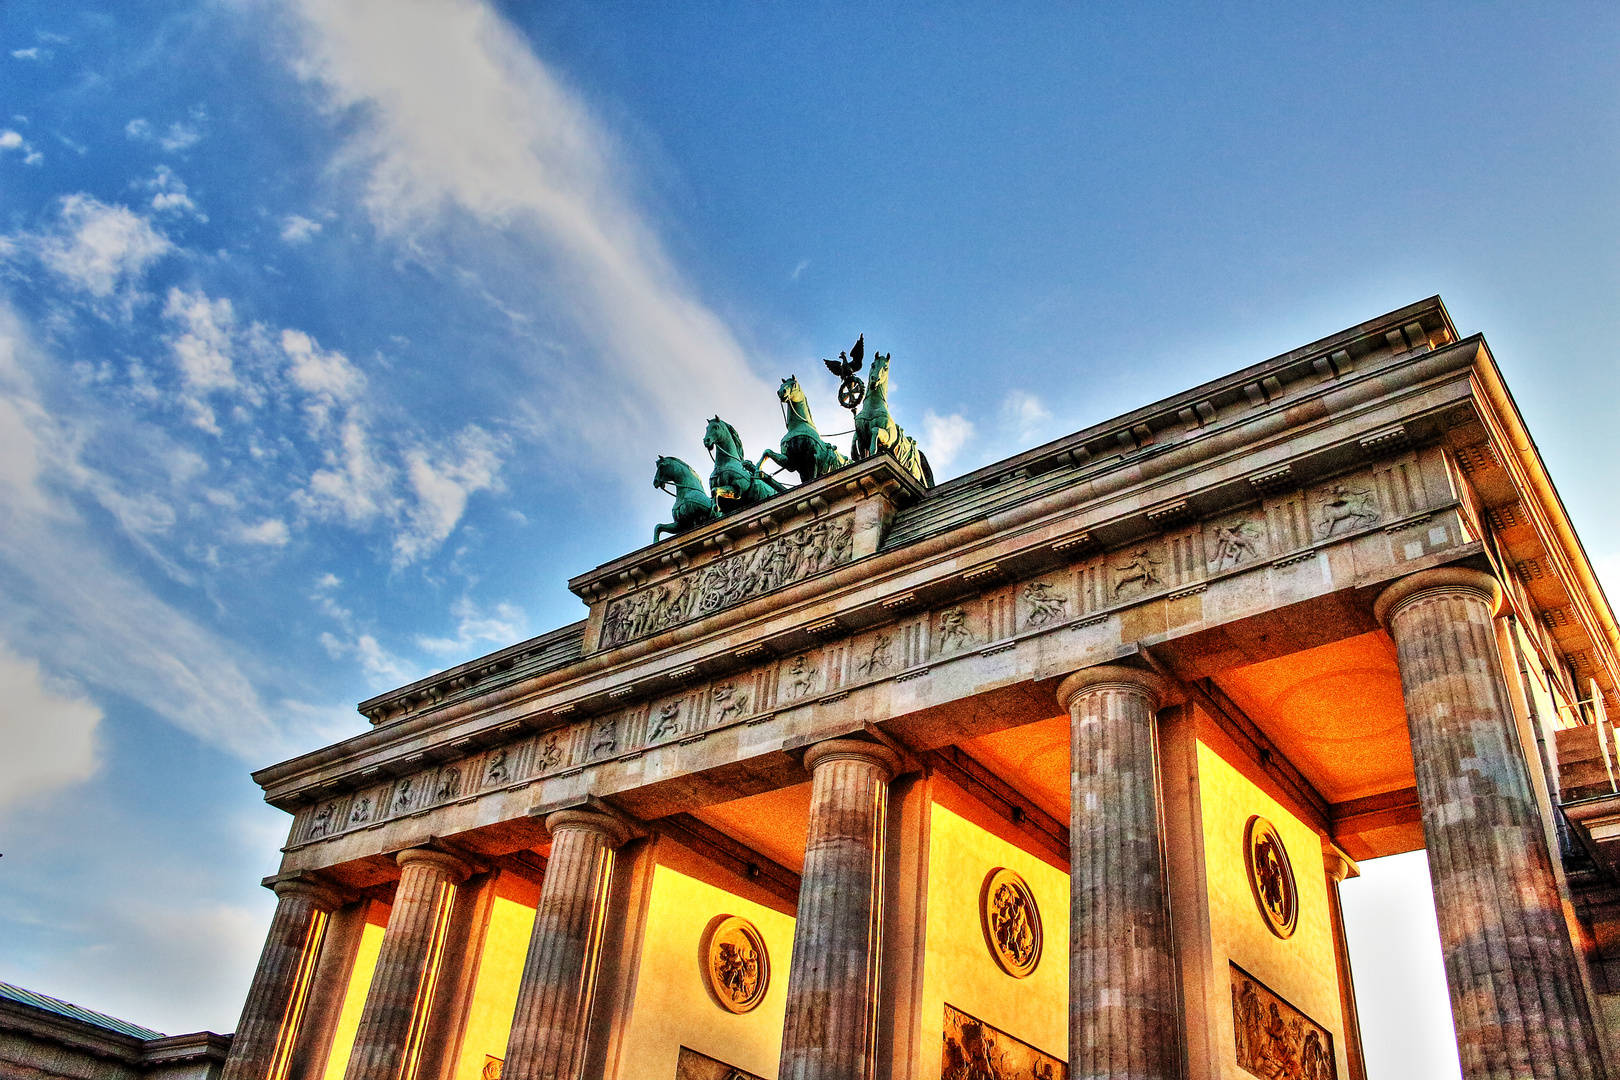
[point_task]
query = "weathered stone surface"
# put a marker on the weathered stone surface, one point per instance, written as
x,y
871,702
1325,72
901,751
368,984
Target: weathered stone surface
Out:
x,y
1516,998
394,1021
549,1025
285,965
1123,1021
830,1031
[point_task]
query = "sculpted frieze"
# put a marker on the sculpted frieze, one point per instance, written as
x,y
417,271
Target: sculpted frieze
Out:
x,y
1236,541
730,580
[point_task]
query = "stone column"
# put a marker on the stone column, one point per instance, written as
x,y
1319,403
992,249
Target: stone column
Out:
x,y
1515,996
552,1016
268,1028
830,1032
388,1045
1123,1019
1336,867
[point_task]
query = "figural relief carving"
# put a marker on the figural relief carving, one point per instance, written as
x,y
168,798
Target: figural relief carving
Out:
x,y
666,722
877,658
496,772
550,754
730,580
604,737
402,796
1044,603
1274,1039
1271,876
322,822
1236,543
954,632
1340,504
973,1050
1011,922
736,964
1139,574
361,812
730,702
449,784
801,676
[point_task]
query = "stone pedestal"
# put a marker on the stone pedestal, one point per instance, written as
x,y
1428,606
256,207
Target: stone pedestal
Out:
x,y
393,1025
830,1031
1515,996
550,1022
1123,1020
266,1033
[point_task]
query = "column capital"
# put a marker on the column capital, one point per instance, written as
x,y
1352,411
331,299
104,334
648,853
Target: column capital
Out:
x,y
1453,579
319,893
455,869
1150,684
1339,866
853,750
610,828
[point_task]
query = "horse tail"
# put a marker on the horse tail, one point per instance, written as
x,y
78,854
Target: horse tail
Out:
x,y
928,473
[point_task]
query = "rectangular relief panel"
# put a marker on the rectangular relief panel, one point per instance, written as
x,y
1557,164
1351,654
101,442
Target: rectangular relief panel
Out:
x,y
976,1051
695,1066
1274,1039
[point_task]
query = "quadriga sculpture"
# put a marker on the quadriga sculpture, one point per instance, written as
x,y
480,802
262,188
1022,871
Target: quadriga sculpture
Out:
x,y
876,431
804,451
693,507
736,483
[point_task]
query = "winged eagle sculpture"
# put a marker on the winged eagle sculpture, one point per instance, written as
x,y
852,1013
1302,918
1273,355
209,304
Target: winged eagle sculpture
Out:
x,y
850,389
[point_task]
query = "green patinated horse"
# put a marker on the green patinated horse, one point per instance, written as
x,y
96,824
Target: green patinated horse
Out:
x,y
693,507
736,483
876,431
804,451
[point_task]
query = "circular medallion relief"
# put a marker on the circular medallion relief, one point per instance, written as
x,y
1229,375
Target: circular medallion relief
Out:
x,y
1012,922
735,964
1270,876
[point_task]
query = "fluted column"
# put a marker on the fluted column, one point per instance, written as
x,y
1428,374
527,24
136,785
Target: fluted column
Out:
x,y
1516,999
559,976
1336,867
830,1031
269,1025
393,1024
1123,1021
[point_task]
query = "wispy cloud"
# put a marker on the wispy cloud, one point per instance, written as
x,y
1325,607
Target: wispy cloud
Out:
x,y
49,732
98,249
943,438
465,123
297,229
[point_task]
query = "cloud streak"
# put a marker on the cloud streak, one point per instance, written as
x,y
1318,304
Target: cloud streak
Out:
x,y
465,122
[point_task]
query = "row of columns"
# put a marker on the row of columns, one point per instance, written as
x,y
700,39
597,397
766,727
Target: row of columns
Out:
x,y
1516,998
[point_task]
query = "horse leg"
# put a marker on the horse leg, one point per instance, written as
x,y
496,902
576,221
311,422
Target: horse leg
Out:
x,y
670,528
772,455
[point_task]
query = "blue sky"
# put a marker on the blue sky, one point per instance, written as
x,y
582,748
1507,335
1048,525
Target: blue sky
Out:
x,y
335,336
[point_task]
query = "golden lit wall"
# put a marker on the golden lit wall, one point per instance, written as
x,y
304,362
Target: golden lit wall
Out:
x,y
1300,968
354,999
494,997
673,1007
958,968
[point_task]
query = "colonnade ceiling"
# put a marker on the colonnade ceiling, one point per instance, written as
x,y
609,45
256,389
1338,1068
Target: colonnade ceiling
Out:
x,y
773,823
1335,711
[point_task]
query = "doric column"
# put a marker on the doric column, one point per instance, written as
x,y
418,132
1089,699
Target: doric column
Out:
x,y
388,1045
1123,1021
830,1031
1336,867
1515,995
265,1035
559,976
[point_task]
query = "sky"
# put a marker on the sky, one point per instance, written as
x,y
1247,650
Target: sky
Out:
x,y
336,335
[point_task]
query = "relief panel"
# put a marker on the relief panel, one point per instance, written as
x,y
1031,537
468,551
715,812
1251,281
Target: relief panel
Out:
x,y
1274,1039
1236,540
973,1050
729,580
957,628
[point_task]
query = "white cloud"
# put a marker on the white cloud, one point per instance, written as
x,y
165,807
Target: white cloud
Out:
x,y
170,194
202,351
138,128
465,122
100,249
49,734
179,137
381,667
271,532
326,376
32,53
943,437
10,140
504,624
296,229
442,482
83,616
1024,414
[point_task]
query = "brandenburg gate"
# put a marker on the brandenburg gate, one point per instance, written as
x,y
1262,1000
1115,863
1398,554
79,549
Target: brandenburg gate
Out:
x,y
1050,770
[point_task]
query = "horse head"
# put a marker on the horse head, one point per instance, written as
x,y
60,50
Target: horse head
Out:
x,y
790,389
878,380
722,435
667,471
